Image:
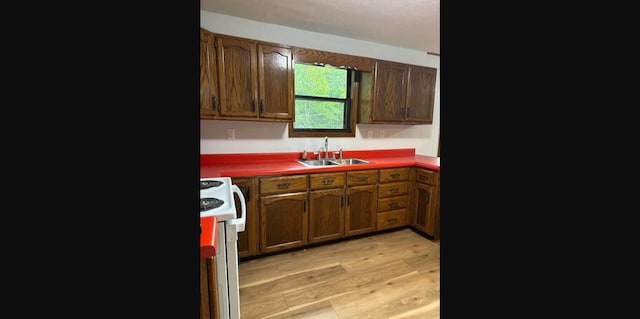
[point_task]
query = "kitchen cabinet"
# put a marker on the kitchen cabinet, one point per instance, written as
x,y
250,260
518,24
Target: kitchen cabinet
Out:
x,y
393,199
360,213
255,79
208,289
397,93
427,195
326,206
283,212
208,76
248,239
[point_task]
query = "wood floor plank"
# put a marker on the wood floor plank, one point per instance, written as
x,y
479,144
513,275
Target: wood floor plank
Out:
x,y
383,295
341,286
293,282
320,310
386,275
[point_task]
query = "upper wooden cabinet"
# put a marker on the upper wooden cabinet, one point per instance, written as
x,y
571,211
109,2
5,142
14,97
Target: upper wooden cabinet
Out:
x,y
209,96
397,93
255,80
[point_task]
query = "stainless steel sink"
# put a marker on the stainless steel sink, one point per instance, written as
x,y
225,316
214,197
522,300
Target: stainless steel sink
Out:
x,y
349,161
317,163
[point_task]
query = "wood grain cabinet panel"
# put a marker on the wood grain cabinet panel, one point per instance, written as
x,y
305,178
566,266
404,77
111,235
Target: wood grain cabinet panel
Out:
x,y
284,221
326,206
209,308
255,79
208,77
427,198
397,93
249,238
361,194
393,198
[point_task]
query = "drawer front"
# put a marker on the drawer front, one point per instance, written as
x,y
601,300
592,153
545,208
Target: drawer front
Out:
x,y
391,219
392,203
283,184
327,180
425,176
394,174
369,177
392,189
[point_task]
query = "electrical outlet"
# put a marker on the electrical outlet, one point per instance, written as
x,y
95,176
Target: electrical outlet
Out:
x,y
231,134
369,134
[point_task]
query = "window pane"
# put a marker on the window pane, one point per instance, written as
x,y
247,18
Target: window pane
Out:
x,y
318,115
315,80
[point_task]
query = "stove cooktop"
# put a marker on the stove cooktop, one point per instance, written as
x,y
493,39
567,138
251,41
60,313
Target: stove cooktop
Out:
x,y
216,198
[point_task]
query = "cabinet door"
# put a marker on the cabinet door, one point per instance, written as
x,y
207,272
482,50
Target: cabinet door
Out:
x,y
238,77
425,217
326,214
275,80
360,210
284,221
420,94
248,239
208,289
390,92
208,76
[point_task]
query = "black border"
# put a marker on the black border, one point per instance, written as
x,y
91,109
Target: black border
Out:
x,y
108,222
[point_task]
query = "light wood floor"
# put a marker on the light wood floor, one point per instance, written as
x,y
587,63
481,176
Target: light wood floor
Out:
x,y
388,275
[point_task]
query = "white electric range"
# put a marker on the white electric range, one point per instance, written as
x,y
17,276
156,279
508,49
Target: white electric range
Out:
x,y
217,199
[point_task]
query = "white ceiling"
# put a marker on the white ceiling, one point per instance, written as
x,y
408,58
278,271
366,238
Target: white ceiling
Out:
x,y
412,24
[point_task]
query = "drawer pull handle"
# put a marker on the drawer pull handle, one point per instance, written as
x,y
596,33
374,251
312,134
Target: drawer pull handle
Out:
x,y
394,190
362,178
284,185
392,220
395,175
393,205
423,176
327,181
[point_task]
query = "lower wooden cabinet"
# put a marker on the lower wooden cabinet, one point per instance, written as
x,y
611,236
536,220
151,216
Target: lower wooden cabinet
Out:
x,y
284,220
360,213
393,198
208,289
248,239
289,211
427,196
326,206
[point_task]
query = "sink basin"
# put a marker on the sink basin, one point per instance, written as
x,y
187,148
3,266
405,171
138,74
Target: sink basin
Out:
x,y
349,161
317,163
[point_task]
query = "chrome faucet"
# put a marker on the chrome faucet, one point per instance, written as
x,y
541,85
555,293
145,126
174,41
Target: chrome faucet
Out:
x,y
326,147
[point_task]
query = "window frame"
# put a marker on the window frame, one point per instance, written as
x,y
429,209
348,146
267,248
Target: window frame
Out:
x,y
347,105
354,64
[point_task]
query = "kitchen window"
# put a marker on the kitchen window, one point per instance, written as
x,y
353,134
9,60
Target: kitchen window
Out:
x,y
323,102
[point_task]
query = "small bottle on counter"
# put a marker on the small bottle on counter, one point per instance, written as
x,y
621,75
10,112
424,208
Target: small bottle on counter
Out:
x,y
304,153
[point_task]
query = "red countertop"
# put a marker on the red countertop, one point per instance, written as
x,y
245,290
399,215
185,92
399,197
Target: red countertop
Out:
x,y
254,164
208,236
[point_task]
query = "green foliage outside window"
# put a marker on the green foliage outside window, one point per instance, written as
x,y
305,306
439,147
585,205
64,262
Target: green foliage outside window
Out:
x,y
321,97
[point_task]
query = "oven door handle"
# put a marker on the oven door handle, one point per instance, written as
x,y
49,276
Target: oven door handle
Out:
x,y
239,222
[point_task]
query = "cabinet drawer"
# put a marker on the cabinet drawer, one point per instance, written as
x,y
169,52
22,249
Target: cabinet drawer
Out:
x,y
394,174
391,219
425,176
283,184
391,203
392,189
327,180
369,177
